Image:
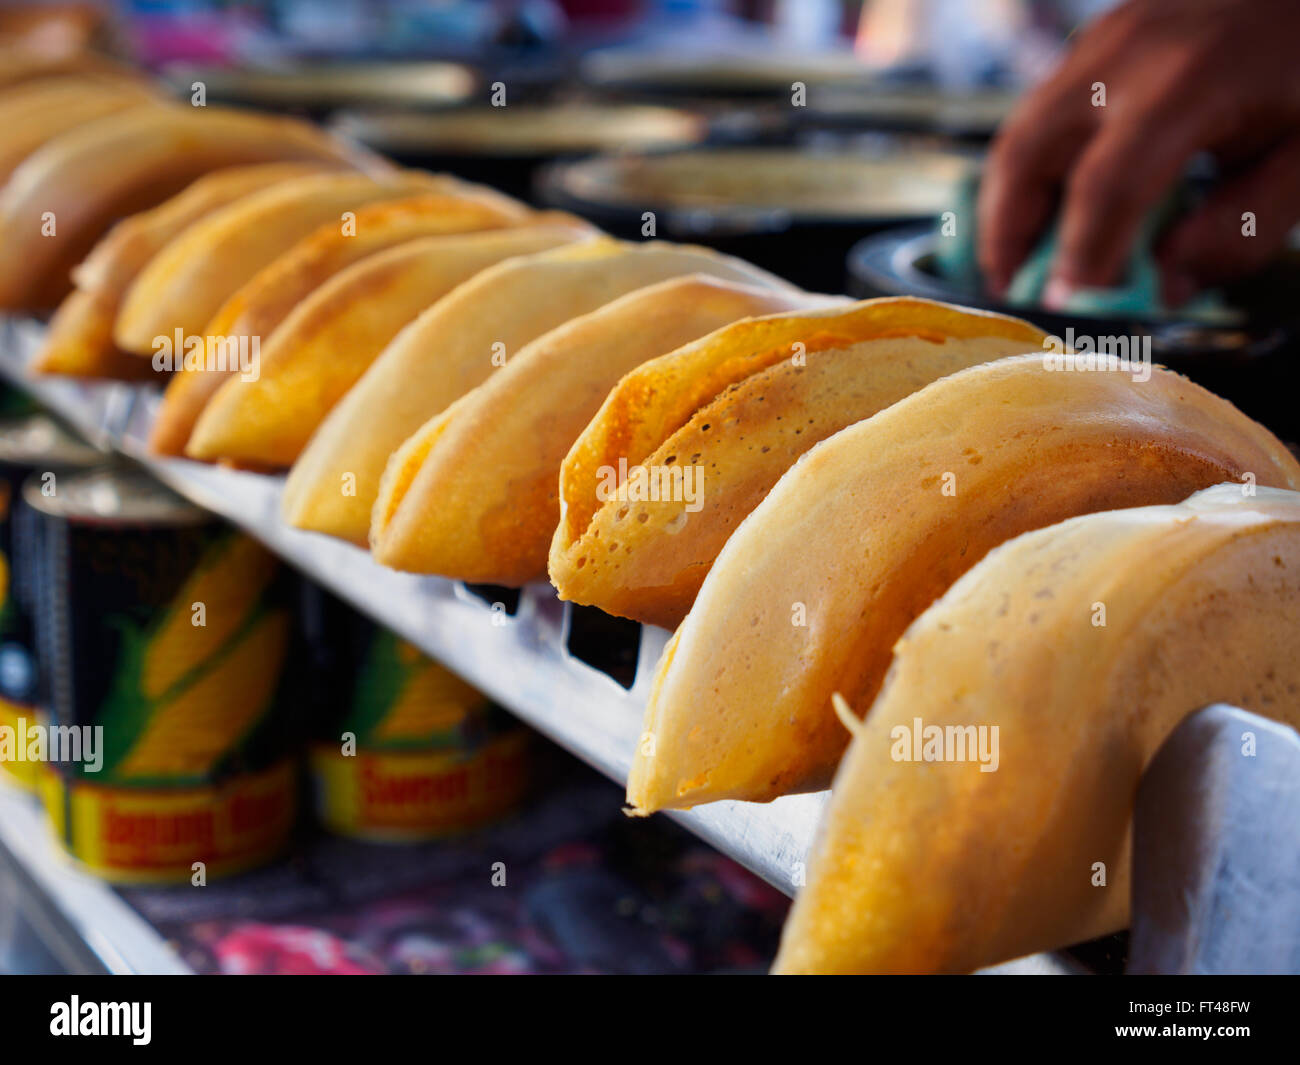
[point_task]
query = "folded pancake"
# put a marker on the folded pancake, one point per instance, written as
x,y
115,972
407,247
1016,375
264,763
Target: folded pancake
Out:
x,y
472,494
80,337
874,523
64,196
259,306
738,408
329,340
925,861
457,344
186,283
262,303
38,111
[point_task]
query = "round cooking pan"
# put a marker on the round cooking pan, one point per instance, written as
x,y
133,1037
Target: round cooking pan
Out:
x,y
734,75
794,212
319,87
1247,358
505,146
973,116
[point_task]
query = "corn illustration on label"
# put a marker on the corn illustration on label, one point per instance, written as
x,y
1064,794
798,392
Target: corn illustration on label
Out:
x,y
188,734
168,637
404,700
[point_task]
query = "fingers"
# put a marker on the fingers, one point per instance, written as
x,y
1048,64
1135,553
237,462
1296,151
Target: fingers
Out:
x,y
1018,192
1037,145
1237,230
1135,158
1175,87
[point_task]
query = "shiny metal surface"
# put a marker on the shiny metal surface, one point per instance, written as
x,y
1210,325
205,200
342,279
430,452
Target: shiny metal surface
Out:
x,y
1215,884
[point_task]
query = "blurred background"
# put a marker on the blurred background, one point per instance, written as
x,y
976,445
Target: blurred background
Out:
x,y
960,42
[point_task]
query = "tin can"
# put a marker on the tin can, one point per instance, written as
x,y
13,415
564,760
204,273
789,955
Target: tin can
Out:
x,y
162,636
405,750
29,446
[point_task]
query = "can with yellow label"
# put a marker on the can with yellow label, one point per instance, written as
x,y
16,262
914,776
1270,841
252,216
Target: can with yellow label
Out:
x,y
162,636
407,750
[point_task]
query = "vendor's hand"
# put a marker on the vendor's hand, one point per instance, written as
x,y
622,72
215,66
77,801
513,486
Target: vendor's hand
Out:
x,y
1180,77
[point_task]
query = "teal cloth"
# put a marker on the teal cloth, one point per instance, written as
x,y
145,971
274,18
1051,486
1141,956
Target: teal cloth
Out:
x,y
1138,294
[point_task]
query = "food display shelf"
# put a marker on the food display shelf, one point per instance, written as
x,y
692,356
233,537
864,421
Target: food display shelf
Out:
x,y
521,658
